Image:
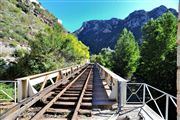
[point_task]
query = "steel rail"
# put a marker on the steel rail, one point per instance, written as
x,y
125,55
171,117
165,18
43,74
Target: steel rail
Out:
x,y
74,117
43,110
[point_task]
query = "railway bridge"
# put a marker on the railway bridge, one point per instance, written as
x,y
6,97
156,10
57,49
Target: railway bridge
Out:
x,y
86,91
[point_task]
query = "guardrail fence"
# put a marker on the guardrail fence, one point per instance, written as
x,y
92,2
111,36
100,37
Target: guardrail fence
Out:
x,y
30,85
154,104
144,94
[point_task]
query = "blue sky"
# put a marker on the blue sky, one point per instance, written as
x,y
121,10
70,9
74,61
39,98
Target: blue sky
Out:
x,y
74,12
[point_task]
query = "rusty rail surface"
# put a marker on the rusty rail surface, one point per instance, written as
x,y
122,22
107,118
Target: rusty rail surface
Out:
x,y
69,96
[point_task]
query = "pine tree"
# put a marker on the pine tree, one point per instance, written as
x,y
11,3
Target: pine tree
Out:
x,y
126,55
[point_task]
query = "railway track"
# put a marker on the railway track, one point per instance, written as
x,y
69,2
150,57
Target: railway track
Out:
x,y
66,101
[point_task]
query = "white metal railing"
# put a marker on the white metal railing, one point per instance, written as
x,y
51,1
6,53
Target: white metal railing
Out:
x,y
3,92
112,80
27,85
142,93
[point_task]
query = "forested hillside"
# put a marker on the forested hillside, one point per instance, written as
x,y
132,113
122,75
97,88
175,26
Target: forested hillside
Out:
x,y
33,41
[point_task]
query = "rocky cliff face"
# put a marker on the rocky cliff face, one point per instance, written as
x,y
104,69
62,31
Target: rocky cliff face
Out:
x,y
98,34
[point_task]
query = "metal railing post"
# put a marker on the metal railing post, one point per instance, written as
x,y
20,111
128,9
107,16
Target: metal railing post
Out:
x,y
167,107
119,96
15,92
144,93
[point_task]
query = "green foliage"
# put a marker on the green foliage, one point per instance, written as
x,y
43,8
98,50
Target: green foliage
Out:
x,y
158,62
126,55
8,88
74,50
104,57
21,52
13,43
17,26
124,60
50,46
94,59
2,67
52,49
44,55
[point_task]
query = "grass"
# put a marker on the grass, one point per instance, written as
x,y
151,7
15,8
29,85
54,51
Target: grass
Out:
x,y
16,24
8,88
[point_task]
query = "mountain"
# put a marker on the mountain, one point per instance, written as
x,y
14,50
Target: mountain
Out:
x,y
98,34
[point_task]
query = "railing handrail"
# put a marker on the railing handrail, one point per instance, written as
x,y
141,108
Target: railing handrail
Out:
x,y
45,73
26,85
8,81
112,74
145,88
155,89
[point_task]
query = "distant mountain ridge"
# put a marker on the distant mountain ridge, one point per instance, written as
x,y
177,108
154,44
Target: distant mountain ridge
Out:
x,y
98,34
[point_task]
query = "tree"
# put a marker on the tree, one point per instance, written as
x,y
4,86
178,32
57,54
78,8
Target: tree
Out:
x,y
74,50
93,58
126,55
158,61
104,57
52,49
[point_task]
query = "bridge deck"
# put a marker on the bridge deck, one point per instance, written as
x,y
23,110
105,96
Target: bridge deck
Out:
x,y
100,97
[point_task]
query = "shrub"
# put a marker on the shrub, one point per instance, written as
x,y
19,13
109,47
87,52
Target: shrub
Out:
x,y
13,43
21,52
